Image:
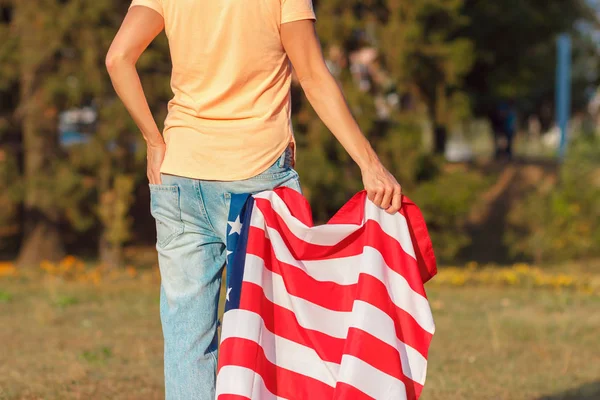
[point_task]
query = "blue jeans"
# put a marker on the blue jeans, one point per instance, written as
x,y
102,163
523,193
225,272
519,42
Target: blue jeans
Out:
x,y
191,222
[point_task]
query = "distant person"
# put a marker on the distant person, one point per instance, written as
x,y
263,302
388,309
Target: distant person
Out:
x,y
504,126
510,128
228,130
497,123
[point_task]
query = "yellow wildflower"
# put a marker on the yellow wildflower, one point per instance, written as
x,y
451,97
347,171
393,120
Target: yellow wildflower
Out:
x,y
7,269
48,266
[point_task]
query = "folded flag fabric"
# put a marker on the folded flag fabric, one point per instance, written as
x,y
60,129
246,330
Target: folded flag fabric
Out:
x,y
336,311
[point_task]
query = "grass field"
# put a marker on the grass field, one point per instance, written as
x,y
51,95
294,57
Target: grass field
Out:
x,y
80,341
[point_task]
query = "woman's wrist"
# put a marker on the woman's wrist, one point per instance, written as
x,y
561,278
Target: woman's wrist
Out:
x,y
155,140
367,159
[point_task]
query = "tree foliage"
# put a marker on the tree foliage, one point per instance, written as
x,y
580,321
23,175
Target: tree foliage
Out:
x,y
431,63
515,49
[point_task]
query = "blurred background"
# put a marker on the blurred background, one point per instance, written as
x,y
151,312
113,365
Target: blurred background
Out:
x,y
488,112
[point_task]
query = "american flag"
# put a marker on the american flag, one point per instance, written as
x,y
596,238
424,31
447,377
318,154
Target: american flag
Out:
x,y
336,311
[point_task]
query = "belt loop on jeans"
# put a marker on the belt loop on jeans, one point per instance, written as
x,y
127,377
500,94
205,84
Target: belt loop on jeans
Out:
x,y
281,160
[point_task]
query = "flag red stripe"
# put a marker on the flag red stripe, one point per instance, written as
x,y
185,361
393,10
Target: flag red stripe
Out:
x,y
382,356
343,391
337,297
301,209
374,292
368,235
232,397
298,282
371,353
279,381
283,323
353,213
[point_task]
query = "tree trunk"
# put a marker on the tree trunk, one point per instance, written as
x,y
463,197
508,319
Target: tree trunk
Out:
x,y
111,255
41,239
440,136
41,243
440,132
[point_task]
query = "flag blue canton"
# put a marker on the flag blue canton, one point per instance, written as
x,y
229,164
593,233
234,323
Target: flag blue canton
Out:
x,y
238,225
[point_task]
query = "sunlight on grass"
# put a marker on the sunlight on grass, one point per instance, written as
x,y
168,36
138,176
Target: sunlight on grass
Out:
x,y
499,335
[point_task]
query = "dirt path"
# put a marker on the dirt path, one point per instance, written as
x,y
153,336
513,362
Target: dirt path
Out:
x,y
488,221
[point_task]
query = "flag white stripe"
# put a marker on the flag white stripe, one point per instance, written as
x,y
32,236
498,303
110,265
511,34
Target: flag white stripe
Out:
x,y
331,234
370,380
374,321
243,381
282,352
309,315
394,225
364,316
346,271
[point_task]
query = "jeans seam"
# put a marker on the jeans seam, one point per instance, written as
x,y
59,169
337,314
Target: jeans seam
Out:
x,y
274,176
165,242
297,181
202,206
214,355
163,188
175,191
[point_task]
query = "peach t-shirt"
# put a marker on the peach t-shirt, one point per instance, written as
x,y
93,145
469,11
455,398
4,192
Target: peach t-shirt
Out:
x,y
229,118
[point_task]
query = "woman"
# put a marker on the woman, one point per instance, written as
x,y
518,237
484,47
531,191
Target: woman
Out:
x,y
228,130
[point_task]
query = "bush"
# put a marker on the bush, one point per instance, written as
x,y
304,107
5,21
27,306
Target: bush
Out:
x,y
446,202
560,222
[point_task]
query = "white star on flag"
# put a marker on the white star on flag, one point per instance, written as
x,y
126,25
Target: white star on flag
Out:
x,y
227,295
236,227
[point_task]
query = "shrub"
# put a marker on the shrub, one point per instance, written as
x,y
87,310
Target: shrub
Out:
x,y
446,202
561,222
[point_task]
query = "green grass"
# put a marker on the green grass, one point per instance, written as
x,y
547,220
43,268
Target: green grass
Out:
x,y
5,297
71,341
63,301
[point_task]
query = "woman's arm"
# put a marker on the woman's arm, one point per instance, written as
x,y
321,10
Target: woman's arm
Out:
x,y
140,27
304,50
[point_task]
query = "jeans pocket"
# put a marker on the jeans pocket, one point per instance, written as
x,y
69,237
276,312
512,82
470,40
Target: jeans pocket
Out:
x,y
166,209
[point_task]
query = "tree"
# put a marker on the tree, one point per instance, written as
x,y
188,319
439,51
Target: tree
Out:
x,y
106,170
55,61
427,55
39,38
120,164
9,137
420,59
514,48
